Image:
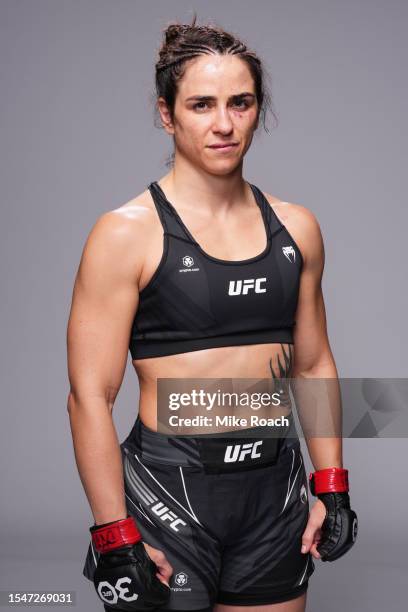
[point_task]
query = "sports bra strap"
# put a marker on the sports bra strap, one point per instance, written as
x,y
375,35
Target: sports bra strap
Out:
x,y
170,220
272,220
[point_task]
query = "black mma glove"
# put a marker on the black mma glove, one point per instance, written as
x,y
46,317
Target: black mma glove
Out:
x,y
125,576
339,528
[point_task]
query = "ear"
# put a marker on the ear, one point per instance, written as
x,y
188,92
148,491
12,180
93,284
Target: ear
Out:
x,y
165,116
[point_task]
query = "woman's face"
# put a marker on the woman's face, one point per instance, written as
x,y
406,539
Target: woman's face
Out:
x,y
215,104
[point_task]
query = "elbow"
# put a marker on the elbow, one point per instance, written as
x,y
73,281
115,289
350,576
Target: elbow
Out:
x,y
71,401
322,366
326,369
95,402
75,401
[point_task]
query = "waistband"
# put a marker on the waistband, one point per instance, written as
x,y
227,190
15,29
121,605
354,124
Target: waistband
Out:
x,y
230,453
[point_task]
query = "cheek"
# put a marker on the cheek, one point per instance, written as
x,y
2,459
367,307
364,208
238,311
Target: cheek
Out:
x,y
194,131
244,118
195,136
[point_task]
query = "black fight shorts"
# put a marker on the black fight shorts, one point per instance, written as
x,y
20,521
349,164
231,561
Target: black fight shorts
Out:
x,y
231,530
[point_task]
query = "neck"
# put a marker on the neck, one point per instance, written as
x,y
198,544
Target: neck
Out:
x,y
190,187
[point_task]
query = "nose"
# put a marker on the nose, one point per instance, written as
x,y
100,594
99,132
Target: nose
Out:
x,y
222,121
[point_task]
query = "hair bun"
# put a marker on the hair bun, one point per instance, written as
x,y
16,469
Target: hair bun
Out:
x,y
174,30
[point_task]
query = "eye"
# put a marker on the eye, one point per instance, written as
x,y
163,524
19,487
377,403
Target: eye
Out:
x,y
195,106
242,103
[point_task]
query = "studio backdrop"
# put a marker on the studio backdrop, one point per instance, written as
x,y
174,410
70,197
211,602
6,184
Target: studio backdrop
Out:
x,y
78,139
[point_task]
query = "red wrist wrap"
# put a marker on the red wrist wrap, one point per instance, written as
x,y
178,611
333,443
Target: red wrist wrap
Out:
x,y
117,534
330,480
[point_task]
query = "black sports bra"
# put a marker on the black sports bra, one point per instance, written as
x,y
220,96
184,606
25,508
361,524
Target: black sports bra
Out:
x,y
195,301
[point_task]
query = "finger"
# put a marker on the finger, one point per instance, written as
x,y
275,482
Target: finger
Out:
x,y
308,536
316,541
165,569
314,552
162,579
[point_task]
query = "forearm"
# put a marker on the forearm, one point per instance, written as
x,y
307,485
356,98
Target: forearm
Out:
x,y
98,457
318,404
325,452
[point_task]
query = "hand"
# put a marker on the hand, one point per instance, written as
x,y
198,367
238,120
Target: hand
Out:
x,y
331,538
125,577
313,534
165,570
339,529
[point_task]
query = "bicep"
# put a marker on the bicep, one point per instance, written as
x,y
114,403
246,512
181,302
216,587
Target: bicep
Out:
x,y
105,299
311,341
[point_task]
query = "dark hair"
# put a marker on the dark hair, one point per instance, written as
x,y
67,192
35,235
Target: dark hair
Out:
x,y
183,42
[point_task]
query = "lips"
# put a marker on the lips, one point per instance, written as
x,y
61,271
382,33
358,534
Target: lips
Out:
x,y
223,145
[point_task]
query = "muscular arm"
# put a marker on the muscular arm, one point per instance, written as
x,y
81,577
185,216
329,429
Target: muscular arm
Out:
x,y
319,412
105,298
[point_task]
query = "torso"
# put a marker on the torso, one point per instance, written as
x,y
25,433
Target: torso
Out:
x,y
244,240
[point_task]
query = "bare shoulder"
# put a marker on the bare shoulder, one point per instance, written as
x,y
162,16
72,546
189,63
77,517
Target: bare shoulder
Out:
x,y
122,235
303,226
130,222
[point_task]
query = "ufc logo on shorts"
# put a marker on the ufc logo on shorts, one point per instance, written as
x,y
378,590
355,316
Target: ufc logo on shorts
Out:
x,y
165,514
241,287
239,452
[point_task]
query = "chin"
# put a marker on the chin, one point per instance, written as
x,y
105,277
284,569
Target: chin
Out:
x,y
222,167
221,171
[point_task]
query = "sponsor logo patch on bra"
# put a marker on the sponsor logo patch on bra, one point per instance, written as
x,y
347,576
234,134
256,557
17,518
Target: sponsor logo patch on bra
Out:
x,y
188,263
289,253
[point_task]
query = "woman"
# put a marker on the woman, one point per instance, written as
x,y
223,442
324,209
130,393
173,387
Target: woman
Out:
x,y
206,275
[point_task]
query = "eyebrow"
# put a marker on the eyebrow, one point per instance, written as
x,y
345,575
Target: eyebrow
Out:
x,y
211,98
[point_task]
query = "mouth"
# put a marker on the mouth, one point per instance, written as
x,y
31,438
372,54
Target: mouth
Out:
x,y
225,146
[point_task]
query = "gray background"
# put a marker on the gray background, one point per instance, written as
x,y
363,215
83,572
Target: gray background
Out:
x,y
77,139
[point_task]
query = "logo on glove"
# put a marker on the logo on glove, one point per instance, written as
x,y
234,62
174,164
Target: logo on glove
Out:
x,y
111,595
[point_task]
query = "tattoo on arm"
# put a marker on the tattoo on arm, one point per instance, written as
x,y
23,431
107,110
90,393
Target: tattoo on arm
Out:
x,y
281,371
